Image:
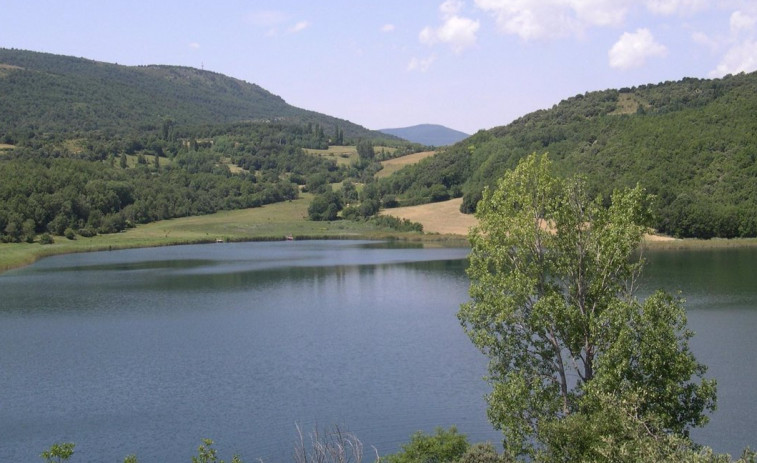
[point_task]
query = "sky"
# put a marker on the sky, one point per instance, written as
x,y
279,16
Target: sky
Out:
x,y
465,64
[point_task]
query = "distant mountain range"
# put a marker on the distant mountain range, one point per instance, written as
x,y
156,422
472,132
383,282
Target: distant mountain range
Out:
x,y
63,94
428,134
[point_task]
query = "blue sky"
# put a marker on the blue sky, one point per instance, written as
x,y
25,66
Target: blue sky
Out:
x,y
466,64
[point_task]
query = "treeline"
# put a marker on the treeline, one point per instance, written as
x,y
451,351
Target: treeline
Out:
x,y
691,143
63,196
51,184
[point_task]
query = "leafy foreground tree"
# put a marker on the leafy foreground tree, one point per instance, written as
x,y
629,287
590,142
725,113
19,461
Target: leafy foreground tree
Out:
x,y
553,307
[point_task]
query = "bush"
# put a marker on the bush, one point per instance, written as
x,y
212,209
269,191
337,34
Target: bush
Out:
x,y
87,232
70,233
46,239
442,447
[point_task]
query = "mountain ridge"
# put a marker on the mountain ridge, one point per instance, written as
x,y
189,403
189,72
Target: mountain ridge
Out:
x,y
58,93
428,134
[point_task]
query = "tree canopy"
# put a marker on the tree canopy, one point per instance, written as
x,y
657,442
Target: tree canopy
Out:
x,y
553,306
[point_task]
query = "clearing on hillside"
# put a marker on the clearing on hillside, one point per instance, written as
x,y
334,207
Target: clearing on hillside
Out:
x,y
442,217
342,155
393,165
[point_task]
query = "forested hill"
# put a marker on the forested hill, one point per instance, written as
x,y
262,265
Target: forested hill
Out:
x,y
692,143
62,94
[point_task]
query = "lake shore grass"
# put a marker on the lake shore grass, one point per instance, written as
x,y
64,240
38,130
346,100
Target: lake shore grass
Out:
x,y
268,223
276,222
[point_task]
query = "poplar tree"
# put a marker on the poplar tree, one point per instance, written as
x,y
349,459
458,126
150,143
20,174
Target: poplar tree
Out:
x,y
553,279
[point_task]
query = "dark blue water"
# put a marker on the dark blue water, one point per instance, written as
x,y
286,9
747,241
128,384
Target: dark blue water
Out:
x,y
149,351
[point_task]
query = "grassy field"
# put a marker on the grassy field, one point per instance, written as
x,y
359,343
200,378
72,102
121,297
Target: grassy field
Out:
x,y
443,217
393,165
271,222
342,155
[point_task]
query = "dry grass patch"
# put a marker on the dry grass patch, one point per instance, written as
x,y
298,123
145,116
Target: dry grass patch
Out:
x,y
443,217
393,165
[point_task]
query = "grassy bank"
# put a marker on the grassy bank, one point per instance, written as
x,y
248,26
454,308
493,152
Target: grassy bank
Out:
x,y
272,222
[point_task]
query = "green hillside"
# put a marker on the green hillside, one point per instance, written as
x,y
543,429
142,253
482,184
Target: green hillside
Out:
x,y
692,143
63,94
88,148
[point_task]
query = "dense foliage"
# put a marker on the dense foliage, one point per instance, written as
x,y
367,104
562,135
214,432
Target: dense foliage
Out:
x,y
91,147
52,93
553,306
692,143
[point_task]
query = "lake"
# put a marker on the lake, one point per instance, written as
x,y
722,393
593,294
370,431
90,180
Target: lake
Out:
x,y
148,351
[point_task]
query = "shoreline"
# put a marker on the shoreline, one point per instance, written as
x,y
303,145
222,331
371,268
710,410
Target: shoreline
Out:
x,y
25,254
275,222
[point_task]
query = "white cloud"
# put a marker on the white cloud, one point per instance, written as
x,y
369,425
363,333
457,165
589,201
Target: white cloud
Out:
x,y
546,19
299,27
740,58
633,49
451,8
741,44
194,45
458,32
742,22
669,7
387,28
421,65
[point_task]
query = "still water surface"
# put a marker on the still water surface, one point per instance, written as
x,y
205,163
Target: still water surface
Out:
x,y
148,351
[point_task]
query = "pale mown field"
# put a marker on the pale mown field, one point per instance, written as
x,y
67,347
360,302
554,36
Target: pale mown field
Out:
x,y
393,165
443,217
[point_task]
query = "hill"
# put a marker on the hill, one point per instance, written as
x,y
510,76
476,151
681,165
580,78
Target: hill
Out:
x,y
88,148
64,94
692,143
428,134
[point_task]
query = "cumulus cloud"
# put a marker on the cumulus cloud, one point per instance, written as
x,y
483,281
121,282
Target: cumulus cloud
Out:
x,y
456,31
633,49
548,19
421,65
742,57
741,54
742,22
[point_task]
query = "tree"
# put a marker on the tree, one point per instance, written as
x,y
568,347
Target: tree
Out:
x,y
207,454
365,150
553,307
325,206
58,452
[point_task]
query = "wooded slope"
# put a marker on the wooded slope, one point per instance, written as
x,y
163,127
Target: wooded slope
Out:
x,y
692,143
62,94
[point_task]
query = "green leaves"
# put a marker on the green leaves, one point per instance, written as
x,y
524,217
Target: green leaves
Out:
x,y
552,305
58,452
